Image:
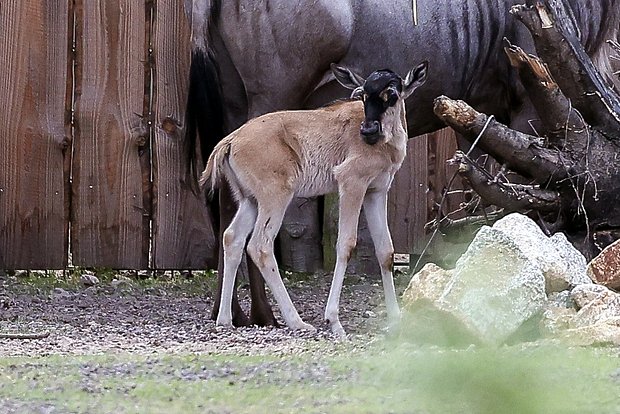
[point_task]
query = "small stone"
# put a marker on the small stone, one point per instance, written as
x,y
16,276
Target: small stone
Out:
x,y
60,293
604,269
88,280
369,314
584,294
120,282
429,283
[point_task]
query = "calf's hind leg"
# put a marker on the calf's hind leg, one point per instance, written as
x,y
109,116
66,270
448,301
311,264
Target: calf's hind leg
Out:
x,y
234,240
260,249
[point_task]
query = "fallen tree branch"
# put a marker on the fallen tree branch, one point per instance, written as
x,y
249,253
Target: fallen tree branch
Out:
x,y
520,152
556,41
565,127
447,224
39,335
511,197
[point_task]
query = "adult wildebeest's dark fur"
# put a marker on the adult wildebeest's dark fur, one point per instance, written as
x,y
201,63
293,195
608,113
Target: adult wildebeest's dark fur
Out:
x,y
275,54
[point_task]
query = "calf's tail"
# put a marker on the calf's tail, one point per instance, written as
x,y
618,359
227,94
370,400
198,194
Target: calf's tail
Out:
x,y
213,172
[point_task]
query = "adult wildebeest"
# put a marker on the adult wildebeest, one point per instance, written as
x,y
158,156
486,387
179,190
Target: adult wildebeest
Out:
x,y
271,55
308,153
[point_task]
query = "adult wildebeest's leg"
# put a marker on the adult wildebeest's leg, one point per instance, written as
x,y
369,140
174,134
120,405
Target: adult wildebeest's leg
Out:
x,y
260,249
349,206
233,241
375,209
260,309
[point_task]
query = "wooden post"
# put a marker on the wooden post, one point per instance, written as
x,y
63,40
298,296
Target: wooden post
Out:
x,y
35,137
108,208
300,248
183,236
407,201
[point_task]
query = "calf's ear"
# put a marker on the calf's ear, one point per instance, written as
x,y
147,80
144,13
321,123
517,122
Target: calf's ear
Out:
x,y
346,77
415,78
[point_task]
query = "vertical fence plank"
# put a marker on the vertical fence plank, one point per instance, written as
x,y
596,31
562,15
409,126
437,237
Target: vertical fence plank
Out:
x,y
107,227
182,233
34,48
407,199
442,145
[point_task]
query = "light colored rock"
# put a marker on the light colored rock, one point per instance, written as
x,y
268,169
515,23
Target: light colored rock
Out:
x,y
120,282
495,286
604,269
561,299
599,310
562,264
429,283
575,262
584,294
596,321
88,280
556,320
493,289
606,332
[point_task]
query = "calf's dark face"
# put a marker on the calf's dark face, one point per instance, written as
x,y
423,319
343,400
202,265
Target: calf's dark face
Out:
x,y
382,90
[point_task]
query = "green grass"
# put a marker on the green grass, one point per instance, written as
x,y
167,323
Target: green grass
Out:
x,y
406,379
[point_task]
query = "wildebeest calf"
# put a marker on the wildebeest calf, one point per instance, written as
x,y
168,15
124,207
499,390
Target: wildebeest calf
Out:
x,y
277,156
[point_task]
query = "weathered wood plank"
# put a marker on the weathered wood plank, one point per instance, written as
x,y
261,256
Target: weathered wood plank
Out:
x,y
407,200
107,227
441,147
182,231
34,49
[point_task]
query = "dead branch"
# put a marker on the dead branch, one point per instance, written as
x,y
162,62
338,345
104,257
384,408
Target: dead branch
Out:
x,y
521,153
511,197
39,335
564,126
448,224
556,41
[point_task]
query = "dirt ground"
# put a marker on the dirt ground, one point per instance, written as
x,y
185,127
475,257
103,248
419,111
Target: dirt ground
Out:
x,y
170,313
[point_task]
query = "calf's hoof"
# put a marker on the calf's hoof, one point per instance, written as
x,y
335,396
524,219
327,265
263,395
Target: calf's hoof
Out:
x,y
338,330
302,326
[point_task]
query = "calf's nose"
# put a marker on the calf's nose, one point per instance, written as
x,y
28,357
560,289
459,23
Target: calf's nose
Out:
x,y
370,128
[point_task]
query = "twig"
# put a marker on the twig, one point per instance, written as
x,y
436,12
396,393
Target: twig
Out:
x,y
448,187
39,335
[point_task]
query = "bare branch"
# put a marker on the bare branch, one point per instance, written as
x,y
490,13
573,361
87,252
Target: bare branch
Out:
x,y
512,197
557,44
448,224
40,335
565,126
522,153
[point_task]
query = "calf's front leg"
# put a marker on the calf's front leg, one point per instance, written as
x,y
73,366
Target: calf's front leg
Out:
x,y
375,210
349,206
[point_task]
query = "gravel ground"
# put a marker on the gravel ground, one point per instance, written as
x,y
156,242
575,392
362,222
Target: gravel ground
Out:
x,y
171,315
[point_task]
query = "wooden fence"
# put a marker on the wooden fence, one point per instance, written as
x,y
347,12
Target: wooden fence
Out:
x,y
91,155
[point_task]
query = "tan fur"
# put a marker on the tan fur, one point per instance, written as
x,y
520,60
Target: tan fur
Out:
x,y
299,152
280,155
